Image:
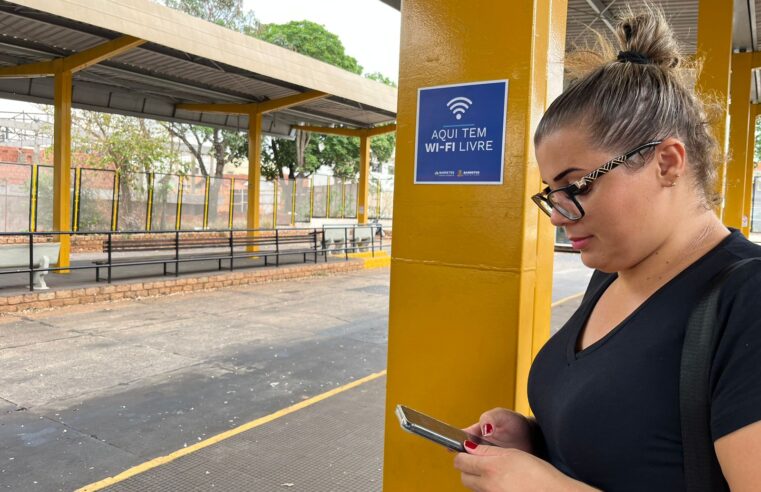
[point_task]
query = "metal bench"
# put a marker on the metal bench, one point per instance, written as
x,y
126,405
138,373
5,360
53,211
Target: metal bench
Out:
x,y
302,243
14,256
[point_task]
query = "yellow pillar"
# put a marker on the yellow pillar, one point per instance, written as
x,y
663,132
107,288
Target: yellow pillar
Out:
x,y
363,189
736,186
464,279
62,163
750,167
254,170
714,47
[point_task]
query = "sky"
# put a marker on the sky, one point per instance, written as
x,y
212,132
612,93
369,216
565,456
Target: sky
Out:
x,y
369,30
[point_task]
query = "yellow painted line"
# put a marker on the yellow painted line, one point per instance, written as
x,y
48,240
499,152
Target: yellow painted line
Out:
x,y
567,299
162,460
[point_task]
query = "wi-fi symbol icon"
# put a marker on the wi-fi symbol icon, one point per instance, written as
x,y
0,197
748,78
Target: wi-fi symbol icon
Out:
x,y
458,106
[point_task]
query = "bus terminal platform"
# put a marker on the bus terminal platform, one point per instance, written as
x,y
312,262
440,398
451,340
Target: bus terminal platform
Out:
x,y
274,386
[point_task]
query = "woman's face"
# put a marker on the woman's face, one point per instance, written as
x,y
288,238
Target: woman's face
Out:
x,y
627,213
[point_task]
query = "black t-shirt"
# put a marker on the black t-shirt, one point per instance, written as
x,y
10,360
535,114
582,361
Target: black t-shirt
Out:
x,y
610,413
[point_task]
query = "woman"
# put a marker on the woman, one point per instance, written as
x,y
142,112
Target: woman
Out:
x,y
629,164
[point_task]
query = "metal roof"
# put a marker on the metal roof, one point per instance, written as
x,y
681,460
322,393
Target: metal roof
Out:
x,y
185,60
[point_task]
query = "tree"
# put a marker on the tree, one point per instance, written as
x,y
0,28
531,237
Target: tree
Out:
x,y
307,152
132,146
310,39
226,145
227,13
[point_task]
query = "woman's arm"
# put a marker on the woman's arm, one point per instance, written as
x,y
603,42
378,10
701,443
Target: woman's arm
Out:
x,y
739,455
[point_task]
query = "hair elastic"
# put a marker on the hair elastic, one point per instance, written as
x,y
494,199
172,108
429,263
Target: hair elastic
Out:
x,y
633,57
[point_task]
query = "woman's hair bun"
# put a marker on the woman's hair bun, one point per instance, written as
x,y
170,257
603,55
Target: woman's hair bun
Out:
x,y
646,32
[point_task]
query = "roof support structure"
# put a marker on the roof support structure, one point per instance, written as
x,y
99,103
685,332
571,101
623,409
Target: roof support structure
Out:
x,y
715,48
750,166
739,132
254,112
63,69
74,63
364,134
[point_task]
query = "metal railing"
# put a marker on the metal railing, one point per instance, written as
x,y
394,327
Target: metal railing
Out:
x,y
212,245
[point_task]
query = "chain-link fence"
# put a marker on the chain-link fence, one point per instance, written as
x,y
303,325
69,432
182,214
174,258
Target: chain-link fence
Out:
x,y
107,200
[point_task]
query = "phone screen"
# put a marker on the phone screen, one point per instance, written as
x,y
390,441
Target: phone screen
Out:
x,y
435,430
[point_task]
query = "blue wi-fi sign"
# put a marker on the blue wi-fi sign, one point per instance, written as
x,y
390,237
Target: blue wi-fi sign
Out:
x,y
460,135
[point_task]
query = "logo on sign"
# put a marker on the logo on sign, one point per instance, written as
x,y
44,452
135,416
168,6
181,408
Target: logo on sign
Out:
x,y
458,106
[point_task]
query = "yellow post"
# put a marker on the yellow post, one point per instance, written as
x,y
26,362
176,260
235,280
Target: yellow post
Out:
x,y
327,207
311,198
750,167
276,184
363,189
62,165
33,199
739,108
714,47
178,215
464,270
115,202
293,204
77,192
149,202
232,204
206,203
254,171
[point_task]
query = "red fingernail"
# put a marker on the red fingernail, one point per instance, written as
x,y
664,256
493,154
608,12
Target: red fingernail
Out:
x,y
471,445
488,429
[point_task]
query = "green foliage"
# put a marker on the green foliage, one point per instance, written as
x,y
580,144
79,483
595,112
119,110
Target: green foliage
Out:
x,y
341,154
227,13
310,39
227,146
124,143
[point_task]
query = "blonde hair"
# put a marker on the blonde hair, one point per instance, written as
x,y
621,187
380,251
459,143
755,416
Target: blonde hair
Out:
x,y
636,89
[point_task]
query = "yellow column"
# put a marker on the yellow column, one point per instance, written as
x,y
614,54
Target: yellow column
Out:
x,y
714,47
363,189
254,170
750,166
464,278
62,163
739,110
554,21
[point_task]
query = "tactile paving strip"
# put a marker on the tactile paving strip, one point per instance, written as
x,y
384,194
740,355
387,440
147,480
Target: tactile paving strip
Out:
x,y
333,445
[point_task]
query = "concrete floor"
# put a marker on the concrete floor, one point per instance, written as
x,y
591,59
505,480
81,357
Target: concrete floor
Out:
x,y
91,391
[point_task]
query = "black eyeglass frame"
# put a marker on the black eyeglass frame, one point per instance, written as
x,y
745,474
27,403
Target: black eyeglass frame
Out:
x,y
544,203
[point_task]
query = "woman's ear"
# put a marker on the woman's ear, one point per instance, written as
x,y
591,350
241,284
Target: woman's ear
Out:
x,y
670,157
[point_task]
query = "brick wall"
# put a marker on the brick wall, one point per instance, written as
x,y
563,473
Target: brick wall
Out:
x,y
151,288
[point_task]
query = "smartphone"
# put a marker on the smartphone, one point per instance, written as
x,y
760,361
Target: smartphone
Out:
x,y
435,430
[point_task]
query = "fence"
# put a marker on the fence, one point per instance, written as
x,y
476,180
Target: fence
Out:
x,y
108,200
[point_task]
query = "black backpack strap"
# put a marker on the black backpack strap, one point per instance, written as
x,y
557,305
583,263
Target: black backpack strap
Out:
x,y
701,467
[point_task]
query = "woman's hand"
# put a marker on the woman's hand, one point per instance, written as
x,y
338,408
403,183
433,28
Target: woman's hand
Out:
x,y
505,428
493,469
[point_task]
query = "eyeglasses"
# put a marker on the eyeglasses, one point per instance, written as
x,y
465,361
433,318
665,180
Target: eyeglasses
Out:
x,y
564,199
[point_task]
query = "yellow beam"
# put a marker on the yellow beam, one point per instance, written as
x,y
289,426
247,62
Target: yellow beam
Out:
x,y
251,108
75,62
464,271
245,108
38,69
97,54
739,108
380,130
345,132
289,101
62,164
714,47
363,190
750,167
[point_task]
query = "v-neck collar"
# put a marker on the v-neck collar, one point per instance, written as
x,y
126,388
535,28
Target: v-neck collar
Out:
x,y
590,302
